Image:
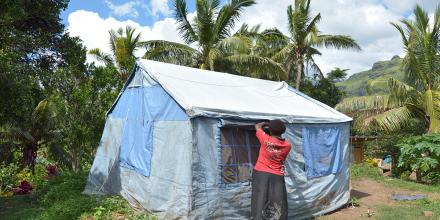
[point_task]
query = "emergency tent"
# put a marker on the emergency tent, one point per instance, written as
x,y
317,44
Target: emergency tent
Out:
x,y
179,142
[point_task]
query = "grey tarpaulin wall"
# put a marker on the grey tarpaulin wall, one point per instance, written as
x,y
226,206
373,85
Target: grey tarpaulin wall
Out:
x,y
306,197
184,180
166,188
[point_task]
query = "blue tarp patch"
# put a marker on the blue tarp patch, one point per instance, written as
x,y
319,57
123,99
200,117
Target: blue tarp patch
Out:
x,y
322,150
139,107
148,104
136,146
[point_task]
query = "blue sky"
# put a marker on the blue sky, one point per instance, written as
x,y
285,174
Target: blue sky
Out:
x,y
367,21
102,7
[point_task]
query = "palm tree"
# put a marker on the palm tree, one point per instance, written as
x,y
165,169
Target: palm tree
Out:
x,y
304,38
123,44
40,132
418,98
337,75
209,42
255,57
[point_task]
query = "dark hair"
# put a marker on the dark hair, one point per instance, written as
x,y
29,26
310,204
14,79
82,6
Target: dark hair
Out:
x,y
277,127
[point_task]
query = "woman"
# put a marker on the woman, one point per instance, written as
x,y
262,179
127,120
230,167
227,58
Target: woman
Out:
x,y
269,196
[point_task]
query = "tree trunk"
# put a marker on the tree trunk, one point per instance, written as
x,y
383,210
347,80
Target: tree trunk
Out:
x,y
299,69
76,162
30,155
288,68
418,176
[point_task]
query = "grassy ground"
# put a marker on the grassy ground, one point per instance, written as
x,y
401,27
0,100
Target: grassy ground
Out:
x,y
61,198
364,171
410,210
402,209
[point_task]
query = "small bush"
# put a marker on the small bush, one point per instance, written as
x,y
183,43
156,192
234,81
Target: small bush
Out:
x,y
355,202
51,171
372,162
421,154
8,178
11,177
23,189
386,145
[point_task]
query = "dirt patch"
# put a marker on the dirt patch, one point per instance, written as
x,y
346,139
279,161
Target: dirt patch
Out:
x,y
371,194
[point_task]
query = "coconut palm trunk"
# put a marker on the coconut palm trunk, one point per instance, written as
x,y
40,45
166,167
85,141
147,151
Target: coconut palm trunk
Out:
x,y
299,68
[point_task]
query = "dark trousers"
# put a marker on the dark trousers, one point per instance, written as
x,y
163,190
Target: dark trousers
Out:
x,y
269,196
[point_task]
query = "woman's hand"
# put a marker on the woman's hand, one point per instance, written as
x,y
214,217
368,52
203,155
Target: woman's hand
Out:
x,y
260,125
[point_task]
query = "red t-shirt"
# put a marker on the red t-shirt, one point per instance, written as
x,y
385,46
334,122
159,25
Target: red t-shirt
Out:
x,y
273,153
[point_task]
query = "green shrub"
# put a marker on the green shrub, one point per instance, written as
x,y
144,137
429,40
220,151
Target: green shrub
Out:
x,y
386,145
354,202
10,177
372,162
421,154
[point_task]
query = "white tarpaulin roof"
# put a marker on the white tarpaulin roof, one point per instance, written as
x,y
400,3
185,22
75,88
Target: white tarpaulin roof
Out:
x,y
214,94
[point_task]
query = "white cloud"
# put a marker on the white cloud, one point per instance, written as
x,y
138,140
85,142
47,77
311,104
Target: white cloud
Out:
x,y
159,6
126,9
403,6
367,21
93,30
131,8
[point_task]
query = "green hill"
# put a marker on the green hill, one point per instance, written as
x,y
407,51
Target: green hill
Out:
x,y
356,84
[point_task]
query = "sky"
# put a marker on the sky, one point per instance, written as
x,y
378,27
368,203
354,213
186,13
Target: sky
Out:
x,y
367,21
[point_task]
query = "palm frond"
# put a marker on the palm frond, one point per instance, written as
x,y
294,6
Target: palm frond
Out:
x,y
314,68
256,66
60,154
393,119
246,30
421,19
44,114
402,33
10,134
363,103
112,40
184,25
228,15
401,93
236,44
170,52
204,22
432,109
101,56
131,40
338,42
297,23
436,26
421,42
313,23
269,42
285,52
